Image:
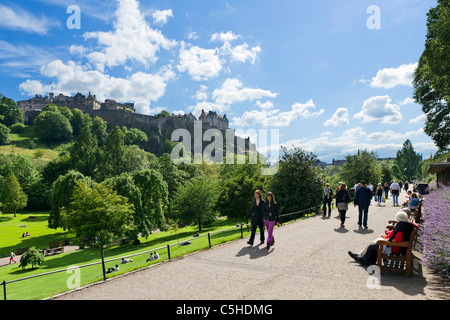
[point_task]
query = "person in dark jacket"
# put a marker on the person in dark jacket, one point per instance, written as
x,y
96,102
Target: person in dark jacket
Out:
x,y
342,200
271,216
363,197
257,217
327,198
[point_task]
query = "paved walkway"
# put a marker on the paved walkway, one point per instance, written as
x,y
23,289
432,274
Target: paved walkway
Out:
x,y
308,261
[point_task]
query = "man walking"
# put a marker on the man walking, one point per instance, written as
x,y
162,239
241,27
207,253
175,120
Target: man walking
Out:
x,y
327,198
395,191
363,197
11,257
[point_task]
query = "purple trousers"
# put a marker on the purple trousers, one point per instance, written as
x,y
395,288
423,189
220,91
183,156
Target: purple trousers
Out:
x,y
269,226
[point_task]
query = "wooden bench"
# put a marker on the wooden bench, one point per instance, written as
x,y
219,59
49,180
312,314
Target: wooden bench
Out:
x,y
402,259
52,251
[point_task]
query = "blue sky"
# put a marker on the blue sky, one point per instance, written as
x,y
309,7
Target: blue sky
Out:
x,y
313,70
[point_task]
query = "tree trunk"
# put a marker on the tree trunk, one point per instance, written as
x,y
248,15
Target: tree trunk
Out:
x,y
14,213
199,224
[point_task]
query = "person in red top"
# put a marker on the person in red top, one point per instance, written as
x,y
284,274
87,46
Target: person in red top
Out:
x,y
401,232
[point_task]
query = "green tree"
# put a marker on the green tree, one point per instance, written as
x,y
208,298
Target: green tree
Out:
x,y
238,184
361,166
84,153
99,127
98,213
406,163
11,194
298,183
33,256
195,202
4,135
9,111
78,121
173,176
22,166
52,126
386,172
61,196
134,136
432,81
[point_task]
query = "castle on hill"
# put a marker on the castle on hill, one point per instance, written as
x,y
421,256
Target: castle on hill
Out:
x,y
158,129
92,106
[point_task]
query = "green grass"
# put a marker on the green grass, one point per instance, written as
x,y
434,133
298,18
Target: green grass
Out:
x,y
41,234
48,285
27,143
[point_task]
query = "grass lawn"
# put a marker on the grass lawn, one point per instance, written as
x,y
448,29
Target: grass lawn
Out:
x,y
27,143
48,285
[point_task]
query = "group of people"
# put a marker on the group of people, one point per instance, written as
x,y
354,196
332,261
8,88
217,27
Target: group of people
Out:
x,y
363,195
112,269
264,215
153,256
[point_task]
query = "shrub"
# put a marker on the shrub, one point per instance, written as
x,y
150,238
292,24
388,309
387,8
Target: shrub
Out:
x,y
436,233
33,257
4,135
18,128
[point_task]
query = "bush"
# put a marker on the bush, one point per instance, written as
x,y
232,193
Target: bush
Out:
x,y
52,126
436,233
33,257
4,135
18,128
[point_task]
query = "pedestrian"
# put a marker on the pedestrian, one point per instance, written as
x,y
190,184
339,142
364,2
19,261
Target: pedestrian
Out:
x,y
342,201
257,217
395,191
379,193
386,190
363,197
271,216
327,198
11,257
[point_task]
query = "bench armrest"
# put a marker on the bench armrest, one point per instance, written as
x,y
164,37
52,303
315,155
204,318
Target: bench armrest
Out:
x,y
393,244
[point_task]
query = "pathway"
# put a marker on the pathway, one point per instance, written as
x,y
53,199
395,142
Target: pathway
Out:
x,y
308,261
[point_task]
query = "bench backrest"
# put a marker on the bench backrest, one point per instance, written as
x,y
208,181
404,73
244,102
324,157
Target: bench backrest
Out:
x,y
56,244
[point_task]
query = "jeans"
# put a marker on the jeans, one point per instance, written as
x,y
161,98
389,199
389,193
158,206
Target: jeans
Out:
x,y
386,193
269,226
363,212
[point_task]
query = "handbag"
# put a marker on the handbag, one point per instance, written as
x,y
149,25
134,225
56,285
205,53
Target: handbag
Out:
x,y
342,206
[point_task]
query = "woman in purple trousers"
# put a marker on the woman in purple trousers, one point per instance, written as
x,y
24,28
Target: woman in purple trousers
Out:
x,y
271,216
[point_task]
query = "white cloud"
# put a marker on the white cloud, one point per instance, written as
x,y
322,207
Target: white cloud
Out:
x,y
391,77
392,135
239,53
379,108
339,118
141,88
132,39
233,91
15,18
269,117
406,101
193,36
201,64
419,119
161,16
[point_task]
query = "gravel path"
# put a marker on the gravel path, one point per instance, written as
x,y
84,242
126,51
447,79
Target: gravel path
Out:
x,y
308,261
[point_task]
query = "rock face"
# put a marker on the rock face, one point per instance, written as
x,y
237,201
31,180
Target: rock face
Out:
x,y
158,129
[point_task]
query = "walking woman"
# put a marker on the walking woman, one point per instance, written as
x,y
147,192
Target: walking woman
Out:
x,y
271,216
257,217
342,200
379,193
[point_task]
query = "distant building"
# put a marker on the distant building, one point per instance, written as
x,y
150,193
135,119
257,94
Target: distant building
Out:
x,y
338,162
214,119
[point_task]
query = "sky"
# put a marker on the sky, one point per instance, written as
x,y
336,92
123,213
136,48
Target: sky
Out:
x,y
328,76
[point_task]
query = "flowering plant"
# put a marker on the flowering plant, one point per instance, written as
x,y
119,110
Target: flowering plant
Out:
x,y
436,232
